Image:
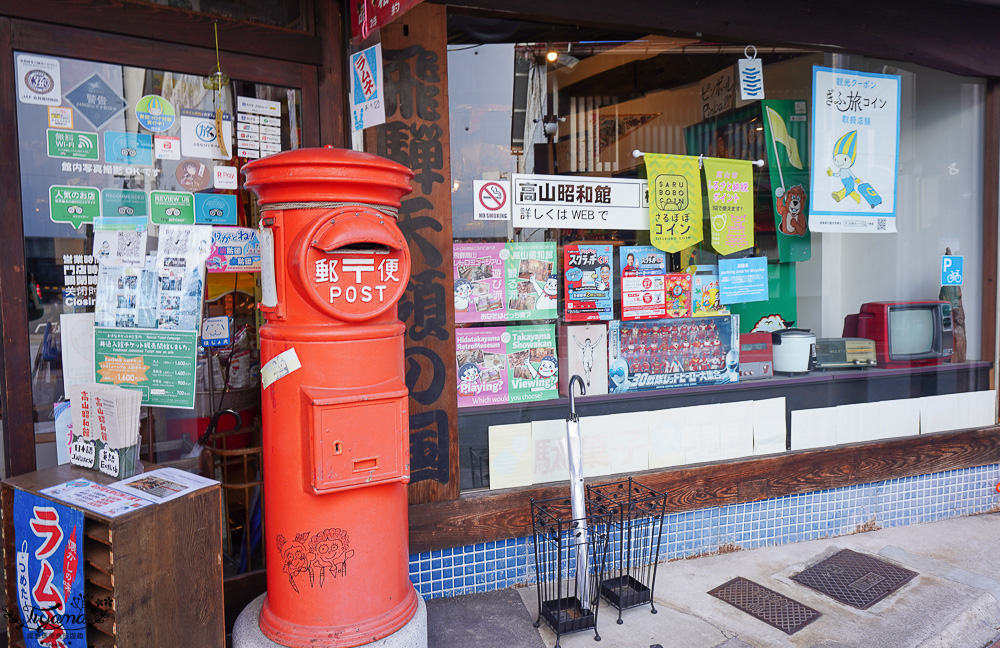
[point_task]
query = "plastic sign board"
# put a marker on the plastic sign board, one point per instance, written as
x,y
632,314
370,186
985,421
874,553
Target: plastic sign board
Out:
x,y
951,270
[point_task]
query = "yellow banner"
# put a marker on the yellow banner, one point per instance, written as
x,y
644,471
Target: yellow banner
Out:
x,y
675,209
730,203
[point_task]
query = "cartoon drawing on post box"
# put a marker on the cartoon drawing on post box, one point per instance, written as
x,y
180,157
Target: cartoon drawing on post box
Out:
x,y
327,549
295,557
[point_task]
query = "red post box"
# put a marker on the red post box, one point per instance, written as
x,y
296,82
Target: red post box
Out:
x,y
336,442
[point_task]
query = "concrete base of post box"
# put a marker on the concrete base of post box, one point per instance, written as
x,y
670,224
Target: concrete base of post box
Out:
x,y
247,633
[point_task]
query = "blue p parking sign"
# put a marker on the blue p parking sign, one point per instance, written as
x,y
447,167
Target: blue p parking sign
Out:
x,y
951,270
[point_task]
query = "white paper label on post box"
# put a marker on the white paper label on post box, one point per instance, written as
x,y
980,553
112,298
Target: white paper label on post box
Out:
x,y
278,367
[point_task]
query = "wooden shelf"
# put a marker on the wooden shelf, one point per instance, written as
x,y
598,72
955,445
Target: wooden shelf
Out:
x,y
161,566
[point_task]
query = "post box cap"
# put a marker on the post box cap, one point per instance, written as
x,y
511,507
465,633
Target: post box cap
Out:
x,y
327,174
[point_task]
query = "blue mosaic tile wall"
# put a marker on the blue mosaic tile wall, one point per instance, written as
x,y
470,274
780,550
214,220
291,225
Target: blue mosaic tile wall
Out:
x,y
794,518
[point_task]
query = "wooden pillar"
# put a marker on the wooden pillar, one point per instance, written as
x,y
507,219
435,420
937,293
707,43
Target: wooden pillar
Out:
x,y
415,60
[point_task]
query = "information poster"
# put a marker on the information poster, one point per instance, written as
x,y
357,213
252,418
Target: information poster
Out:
x,y
855,151
159,363
590,288
479,282
532,282
481,360
675,211
743,280
643,273
730,204
506,364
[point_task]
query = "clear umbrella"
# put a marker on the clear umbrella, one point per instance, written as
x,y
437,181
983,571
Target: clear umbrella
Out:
x,y
574,451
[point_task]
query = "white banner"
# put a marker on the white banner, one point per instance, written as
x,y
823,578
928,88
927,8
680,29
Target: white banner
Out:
x,y
571,202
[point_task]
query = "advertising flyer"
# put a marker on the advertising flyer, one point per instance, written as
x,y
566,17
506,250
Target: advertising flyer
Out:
x,y
680,352
855,151
643,272
479,283
234,249
159,363
481,358
532,283
533,366
590,288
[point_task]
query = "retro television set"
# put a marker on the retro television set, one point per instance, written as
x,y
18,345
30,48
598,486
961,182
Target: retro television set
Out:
x,y
906,333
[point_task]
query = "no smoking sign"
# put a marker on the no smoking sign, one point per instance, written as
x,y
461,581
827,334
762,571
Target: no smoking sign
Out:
x,y
492,199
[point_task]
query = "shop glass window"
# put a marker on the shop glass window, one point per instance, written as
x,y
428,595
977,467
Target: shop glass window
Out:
x,y
121,143
551,137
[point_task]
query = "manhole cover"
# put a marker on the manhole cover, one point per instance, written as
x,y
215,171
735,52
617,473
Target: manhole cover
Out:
x,y
853,578
767,605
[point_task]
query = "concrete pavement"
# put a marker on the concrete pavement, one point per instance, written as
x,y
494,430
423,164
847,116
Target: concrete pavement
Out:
x,y
953,602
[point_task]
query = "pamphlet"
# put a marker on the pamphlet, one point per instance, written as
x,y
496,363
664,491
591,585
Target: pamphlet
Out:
x,y
532,282
506,364
495,282
162,484
100,499
479,284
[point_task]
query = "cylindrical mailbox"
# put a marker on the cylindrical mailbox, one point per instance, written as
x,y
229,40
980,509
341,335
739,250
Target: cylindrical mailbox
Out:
x,y
334,400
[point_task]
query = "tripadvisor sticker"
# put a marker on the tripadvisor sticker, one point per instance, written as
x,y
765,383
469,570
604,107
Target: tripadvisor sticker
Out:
x,y
74,205
171,207
154,113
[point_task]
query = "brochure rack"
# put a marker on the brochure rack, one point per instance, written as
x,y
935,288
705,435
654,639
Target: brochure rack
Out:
x,y
161,566
568,603
636,512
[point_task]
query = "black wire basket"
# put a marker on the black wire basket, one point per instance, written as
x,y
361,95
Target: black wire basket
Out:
x,y
567,603
636,514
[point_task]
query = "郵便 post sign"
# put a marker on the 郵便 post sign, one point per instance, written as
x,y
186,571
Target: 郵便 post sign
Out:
x,y
159,363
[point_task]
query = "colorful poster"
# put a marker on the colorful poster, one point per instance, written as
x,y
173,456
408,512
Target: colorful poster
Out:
x,y
643,273
682,352
743,280
786,132
533,364
590,286
366,85
577,202
481,359
730,204
675,209
161,364
479,282
234,249
532,282
48,539
678,294
855,151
